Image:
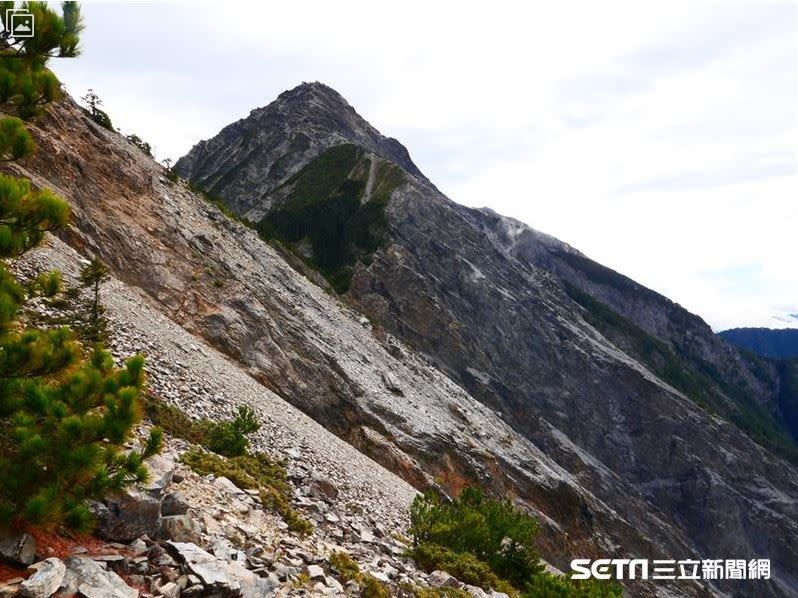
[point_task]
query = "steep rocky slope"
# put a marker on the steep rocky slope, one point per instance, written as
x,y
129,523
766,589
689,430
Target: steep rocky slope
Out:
x,y
678,346
500,321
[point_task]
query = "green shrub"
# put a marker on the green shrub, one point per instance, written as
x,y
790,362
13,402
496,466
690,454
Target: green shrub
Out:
x,y
227,437
494,532
371,587
464,566
345,566
47,284
174,421
145,147
490,544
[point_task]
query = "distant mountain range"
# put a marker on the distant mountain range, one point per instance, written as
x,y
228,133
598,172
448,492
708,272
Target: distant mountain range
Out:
x,y
768,342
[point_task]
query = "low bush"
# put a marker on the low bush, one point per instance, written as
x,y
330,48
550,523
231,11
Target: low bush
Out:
x,y
494,532
226,437
229,437
464,566
490,544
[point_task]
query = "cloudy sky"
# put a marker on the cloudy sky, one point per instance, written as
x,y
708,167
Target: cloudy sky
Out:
x,y
660,138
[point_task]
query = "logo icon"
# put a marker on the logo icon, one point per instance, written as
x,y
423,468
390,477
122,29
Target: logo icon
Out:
x,y
20,23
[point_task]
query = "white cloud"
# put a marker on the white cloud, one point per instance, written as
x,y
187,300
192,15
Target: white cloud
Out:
x,y
658,138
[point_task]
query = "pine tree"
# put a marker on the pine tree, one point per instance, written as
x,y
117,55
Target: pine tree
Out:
x,y
92,275
95,112
63,415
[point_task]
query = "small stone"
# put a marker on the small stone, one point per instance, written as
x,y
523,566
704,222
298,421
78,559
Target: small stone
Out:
x,y
315,572
319,587
440,579
180,528
222,483
89,580
115,562
10,588
162,470
137,547
169,590
323,489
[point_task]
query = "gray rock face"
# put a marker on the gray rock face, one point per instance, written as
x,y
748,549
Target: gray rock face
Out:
x,y
731,381
18,549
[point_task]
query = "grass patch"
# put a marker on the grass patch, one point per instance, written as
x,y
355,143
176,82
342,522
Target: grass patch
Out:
x,y
227,437
463,565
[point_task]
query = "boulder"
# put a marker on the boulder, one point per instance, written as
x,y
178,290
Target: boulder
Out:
x,y
180,528
174,503
218,576
476,592
323,489
130,515
17,548
87,578
441,579
391,382
114,562
225,485
169,590
10,588
162,470
46,579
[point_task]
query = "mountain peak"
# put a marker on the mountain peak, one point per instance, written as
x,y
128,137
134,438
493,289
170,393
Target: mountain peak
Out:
x,y
314,97
258,153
